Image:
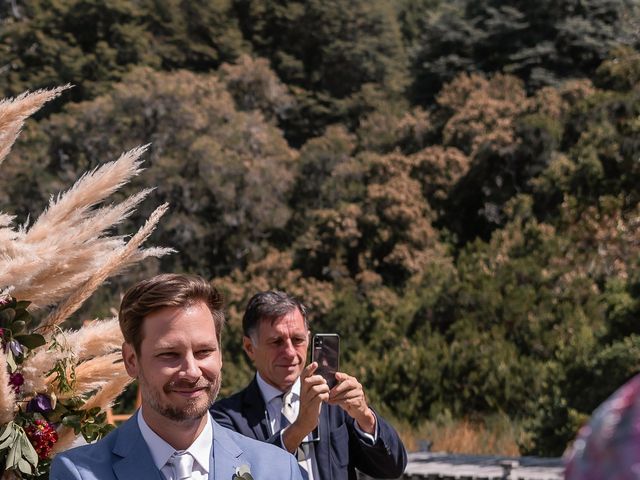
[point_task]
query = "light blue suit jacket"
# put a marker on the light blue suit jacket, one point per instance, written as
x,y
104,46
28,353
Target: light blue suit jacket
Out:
x,y
124,455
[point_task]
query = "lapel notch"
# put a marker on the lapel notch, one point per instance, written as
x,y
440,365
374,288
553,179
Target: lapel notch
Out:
x,y
227,454
136,460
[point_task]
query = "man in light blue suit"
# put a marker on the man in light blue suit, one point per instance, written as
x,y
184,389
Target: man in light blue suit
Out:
x,y
171,326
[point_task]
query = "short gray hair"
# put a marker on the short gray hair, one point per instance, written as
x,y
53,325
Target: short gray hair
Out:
x,y
270,306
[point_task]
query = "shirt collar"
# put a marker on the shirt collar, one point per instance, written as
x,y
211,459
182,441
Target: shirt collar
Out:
x,y
269,392
161,451
201,447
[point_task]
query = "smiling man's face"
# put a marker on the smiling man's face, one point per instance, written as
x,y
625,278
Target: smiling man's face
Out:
x,y
279,350
178,366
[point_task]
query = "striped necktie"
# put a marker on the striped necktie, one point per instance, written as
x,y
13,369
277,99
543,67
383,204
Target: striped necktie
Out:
x,y
287,418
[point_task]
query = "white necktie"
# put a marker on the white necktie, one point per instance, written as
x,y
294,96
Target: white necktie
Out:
x,y
288,413
182,464
288,417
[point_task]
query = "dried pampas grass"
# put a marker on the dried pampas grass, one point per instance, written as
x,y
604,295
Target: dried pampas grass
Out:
x,y
105,397
37,366
93,374
66,252
95,338
122,257
14,111
59,262
70,208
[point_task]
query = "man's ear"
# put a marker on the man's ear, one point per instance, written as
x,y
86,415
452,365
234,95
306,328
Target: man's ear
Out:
x,y
247,344
130,359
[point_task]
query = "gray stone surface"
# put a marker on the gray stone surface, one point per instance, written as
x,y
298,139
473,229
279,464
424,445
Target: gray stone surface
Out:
x,y
444,466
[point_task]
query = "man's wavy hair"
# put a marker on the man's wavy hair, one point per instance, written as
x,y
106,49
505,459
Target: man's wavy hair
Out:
x,y
166,290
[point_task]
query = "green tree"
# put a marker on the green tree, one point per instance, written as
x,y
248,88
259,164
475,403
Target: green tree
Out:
x,y
92,44
569,396
227,174
195,35
84,42
327,52
540,42
372,217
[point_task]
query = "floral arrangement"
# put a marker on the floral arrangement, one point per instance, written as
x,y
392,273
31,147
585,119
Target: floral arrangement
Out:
x,y
29,439
55,385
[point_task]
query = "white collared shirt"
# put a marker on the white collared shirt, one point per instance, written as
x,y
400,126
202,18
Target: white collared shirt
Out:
x,y
273,401
161,451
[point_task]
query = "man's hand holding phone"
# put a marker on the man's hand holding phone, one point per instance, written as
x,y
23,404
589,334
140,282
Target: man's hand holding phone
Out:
x,y
349,395
313,392
346,391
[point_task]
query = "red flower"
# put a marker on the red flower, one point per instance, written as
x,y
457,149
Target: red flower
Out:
x,y
16,380
42,436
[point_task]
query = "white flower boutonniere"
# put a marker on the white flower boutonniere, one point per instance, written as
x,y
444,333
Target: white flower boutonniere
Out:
x,y
242,473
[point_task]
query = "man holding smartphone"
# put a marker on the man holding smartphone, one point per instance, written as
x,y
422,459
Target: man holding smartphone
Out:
x,y
332,431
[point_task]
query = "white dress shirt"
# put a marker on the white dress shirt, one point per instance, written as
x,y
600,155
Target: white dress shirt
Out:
x,y
161,451
273,400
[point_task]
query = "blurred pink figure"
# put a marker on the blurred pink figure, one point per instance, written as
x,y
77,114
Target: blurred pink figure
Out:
x,y
608,447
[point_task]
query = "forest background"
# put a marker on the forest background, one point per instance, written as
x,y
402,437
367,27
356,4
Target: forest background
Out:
x,y
452,186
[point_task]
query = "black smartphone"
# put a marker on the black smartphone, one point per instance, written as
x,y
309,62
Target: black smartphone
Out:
x,y
326,351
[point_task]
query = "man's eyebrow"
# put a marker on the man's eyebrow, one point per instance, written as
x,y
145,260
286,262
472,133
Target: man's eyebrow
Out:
x,y
164,346
274,337
206,346
174,346
295,336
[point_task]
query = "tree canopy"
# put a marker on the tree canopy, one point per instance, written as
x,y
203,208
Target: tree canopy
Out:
x,y
450,186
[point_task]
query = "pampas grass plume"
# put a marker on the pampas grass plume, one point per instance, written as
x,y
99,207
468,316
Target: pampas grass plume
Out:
x,y
14,111
61,260
96,338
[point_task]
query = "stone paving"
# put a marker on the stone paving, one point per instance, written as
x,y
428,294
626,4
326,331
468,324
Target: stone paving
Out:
x,y
428,465
446,466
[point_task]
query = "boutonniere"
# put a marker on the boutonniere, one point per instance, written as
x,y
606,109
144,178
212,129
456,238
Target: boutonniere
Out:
x,y
242,473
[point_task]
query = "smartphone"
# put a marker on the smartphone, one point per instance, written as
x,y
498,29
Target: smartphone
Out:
x,y
326,351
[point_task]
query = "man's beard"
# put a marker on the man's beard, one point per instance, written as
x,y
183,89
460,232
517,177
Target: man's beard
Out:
x,y
194,408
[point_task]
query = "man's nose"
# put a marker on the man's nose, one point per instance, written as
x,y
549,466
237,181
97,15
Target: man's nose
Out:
x,y
190,368
289,348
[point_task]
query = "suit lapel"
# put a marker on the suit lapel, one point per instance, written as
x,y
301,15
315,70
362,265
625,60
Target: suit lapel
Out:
x,y
255,411
136,460
227,455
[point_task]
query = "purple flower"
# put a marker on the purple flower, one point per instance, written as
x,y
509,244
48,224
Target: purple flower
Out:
x,y
16,348
16,380
41,403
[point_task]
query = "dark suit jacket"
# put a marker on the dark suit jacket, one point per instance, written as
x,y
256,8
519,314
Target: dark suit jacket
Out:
x,y
340,450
